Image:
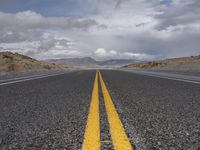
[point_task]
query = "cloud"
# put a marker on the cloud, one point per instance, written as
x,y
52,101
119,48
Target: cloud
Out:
x,y
49,43
47,47
132,29
32,34
8,36
32,20
102,54
180,14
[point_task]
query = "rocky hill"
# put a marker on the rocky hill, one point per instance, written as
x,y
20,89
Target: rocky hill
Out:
x,y
14,62
191,63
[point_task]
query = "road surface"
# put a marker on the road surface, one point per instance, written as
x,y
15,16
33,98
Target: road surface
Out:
x,y
100,110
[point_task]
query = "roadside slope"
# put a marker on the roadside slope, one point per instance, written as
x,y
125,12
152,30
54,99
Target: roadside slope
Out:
x,y
14,63
182,64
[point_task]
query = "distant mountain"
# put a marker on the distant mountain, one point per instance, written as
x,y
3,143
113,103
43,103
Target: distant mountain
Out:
x,y
85,61
117,62
90,62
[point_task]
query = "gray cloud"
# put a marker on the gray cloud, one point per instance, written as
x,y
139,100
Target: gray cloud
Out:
x,y
19,36
180,13
179,44
51,42
31,20
28,32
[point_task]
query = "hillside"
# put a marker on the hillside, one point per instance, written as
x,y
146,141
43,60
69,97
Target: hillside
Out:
x,y
14,62
191,63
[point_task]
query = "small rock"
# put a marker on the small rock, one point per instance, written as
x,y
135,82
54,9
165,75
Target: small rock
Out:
x,y
159,143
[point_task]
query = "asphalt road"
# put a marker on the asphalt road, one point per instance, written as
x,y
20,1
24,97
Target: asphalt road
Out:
x,y
52,112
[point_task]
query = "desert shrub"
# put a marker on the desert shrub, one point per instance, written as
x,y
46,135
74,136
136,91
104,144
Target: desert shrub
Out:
x,y
155,64
10,66
7,57
142,65
9,62
46,66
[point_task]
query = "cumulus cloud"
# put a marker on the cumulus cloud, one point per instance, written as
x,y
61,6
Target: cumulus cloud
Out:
x,y
32,34
102,54
46,48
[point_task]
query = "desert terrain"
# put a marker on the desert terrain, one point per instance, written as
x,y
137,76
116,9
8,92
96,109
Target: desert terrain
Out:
x,y
189,64
15,63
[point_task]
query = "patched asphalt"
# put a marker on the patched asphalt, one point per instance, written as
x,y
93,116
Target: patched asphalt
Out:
x,y
51,112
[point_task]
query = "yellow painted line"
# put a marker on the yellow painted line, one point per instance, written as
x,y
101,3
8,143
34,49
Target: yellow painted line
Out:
x,y
119,137
92,131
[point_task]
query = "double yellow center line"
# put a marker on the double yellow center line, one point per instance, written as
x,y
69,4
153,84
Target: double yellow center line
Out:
x,y
92,132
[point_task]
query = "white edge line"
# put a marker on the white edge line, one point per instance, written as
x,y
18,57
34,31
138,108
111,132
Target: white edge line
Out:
x,y
20,78
171,78
31,78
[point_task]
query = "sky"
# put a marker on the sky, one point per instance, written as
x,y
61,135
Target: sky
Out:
x,y
101,29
